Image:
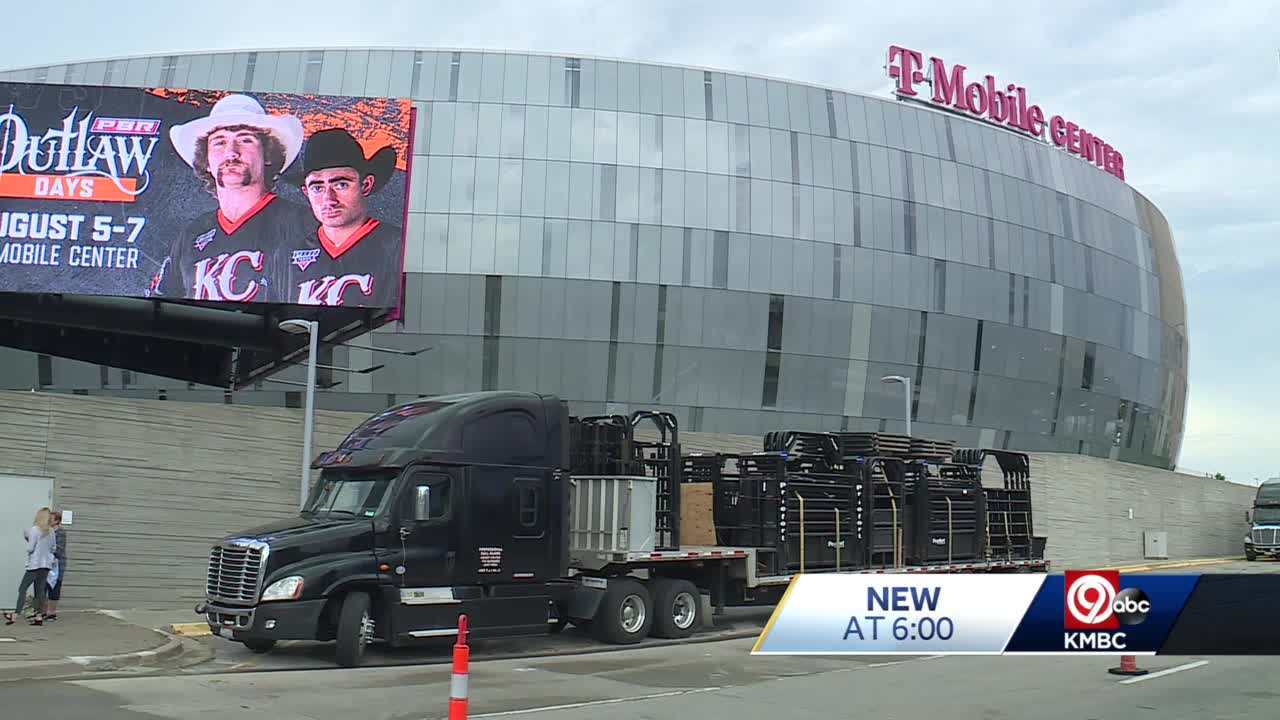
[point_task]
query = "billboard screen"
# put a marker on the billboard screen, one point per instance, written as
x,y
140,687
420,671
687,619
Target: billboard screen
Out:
x,y
205,195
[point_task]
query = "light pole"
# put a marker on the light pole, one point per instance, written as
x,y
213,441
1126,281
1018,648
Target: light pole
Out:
x,y
906,384
312,329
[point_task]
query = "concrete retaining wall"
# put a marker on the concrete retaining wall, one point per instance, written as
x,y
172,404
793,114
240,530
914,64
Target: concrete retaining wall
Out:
x,y
153,483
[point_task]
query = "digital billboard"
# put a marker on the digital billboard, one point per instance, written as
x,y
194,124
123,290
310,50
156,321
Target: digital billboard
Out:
x,y
204,195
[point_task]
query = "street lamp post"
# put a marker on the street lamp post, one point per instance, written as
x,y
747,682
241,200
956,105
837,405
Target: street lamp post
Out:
x,y
906,385
312,329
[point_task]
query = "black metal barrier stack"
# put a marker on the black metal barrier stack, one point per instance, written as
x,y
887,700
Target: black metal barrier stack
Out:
x,y
813,502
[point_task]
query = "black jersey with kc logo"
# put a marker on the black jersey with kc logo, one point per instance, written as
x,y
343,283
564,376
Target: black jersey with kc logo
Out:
x,y
362,271
245,260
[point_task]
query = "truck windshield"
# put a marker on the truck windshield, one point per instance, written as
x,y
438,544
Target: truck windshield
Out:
x,y
349,493
1268,494
1267,516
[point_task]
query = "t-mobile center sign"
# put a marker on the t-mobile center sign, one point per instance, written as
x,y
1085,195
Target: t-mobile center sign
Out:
x,y
1003,106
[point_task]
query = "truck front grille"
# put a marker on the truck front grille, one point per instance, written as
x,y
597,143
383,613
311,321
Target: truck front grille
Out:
x,y
235,571
1265,536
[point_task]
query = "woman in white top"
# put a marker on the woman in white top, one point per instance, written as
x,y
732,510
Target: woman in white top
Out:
x,y
40,546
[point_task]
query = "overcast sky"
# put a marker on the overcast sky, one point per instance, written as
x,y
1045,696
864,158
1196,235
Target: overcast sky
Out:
x,y
1189,91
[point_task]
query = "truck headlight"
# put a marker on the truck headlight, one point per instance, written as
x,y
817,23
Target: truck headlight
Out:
x,y
289,588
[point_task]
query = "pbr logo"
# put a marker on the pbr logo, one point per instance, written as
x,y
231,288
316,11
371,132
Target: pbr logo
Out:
x,y
304,258
1094,601
203,241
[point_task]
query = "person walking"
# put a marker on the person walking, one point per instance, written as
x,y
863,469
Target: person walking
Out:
x,y
59,567
41,542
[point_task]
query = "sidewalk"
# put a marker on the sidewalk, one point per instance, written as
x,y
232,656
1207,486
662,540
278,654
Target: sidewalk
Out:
x,y
83,640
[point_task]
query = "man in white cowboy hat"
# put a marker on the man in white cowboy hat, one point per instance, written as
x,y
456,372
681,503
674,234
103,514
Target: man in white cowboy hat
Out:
x,y
352,258
235,252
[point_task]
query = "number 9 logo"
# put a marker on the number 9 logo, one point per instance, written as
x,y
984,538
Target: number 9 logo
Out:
x,y
1090,599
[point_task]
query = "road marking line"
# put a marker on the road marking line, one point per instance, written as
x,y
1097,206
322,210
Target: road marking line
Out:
x,y
1167,671
593,703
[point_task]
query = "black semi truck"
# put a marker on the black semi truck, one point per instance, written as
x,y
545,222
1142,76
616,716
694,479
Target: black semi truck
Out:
x,y
502,506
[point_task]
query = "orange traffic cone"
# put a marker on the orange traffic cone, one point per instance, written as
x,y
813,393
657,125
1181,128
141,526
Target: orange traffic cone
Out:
x,y
458,683
1128,666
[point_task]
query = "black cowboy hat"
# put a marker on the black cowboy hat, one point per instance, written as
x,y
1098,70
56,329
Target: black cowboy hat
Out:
x,y
336,147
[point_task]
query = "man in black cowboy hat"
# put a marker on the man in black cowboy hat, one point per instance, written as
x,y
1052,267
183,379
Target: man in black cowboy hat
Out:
x,y
353,258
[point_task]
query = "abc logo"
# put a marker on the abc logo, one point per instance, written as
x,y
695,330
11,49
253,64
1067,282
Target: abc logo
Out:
x,y
1131,606
1094,601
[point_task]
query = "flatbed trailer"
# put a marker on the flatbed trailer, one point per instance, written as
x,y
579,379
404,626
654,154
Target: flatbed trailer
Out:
x,y
501,506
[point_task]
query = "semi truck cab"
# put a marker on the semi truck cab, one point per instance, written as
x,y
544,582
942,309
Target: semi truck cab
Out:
x,y
1263,539
431,509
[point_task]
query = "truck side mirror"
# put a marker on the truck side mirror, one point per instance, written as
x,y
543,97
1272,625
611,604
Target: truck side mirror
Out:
x,y
1248,516
422,503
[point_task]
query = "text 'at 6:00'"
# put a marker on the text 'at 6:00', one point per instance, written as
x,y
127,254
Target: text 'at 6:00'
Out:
x,y
901,599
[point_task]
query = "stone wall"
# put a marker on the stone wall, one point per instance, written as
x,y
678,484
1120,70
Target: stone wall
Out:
x,y
152,483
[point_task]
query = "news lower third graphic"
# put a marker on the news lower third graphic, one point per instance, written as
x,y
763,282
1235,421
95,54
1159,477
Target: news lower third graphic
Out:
x,y
1079,612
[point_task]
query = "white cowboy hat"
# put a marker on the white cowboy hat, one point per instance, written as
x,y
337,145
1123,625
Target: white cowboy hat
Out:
x,y
238,110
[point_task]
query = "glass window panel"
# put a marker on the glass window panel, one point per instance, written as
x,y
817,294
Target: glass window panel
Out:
x,y
736,98
485,184
779,112
798,109
462,195
512,143
897,174
693,101
673,136
651,140
465,124
628,131
536,133
762,205
649,254
538,83
510,186
582,188
950,186
802,204
757,102
740,204
493,68
557,189
695,145
533,188
650,89
628,86
672,197
695,200
822,155
718,201
458,258
672,91
845,218
441,128
628,207
435,243
672,256
489,133
578,250
892,125
606,137
842,165
506,259
484,233
439,173
582,142
559,133
824,215
587,83
780,156
606,84
699,267
650,196
761,163
515,74
470,74
717,147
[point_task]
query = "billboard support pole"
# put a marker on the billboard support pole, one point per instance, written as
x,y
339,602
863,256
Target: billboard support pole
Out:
x,y
312,329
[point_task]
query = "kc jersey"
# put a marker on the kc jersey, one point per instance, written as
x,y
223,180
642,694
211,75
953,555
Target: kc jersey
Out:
x,y
215,259
365,271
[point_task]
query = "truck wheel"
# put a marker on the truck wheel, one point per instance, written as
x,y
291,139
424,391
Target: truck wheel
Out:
x,y
260,645
355,622
625,614
677,608
1250,556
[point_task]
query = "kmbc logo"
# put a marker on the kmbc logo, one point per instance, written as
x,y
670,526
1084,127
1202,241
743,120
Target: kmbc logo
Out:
x,y
1094,601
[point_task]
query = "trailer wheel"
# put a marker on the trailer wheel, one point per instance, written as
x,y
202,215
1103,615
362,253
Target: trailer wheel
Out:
x,y
625,614
677,608
355,624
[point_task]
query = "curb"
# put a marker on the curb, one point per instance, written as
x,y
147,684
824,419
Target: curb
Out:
x,y
170,649
1170,564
